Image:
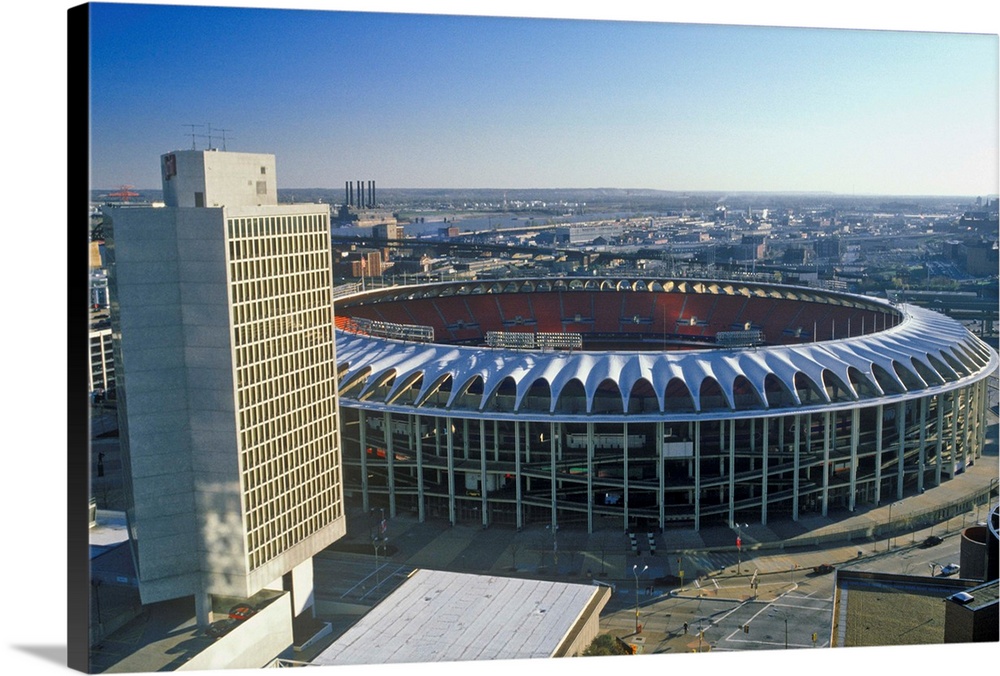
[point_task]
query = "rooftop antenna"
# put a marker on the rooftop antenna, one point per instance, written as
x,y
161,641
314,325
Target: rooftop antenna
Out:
x,y
224,137
193,135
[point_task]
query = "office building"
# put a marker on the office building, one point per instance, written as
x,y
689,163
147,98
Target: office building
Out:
x,y
225,366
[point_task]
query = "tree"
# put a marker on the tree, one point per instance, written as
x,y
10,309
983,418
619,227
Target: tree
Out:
x,y
605,644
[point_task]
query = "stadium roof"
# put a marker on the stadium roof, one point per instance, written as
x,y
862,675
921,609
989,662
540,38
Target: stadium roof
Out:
x,y
924,352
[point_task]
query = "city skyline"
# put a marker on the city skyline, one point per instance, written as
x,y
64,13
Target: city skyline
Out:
x,y
434,101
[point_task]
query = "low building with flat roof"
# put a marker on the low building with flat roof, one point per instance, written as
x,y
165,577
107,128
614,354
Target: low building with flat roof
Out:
x,y
972,615
438,616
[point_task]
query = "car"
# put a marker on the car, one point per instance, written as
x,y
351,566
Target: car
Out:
x,y
932,541
242,611
950,569
823,569
221,628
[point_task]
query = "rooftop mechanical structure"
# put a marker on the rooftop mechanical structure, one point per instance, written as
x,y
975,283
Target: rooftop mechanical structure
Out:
x,y
641,403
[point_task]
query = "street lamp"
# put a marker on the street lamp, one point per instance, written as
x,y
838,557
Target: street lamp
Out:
x,y
739,546
637,573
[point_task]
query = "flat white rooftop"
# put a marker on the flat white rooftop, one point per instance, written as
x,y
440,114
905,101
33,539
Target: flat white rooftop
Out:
x,y
110,530
438,616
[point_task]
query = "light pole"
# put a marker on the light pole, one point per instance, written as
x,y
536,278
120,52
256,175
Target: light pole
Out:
x,y
739,547
888,537
636,572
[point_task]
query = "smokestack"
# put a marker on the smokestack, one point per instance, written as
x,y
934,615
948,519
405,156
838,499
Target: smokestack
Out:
x,y
371,193
347,192
350,200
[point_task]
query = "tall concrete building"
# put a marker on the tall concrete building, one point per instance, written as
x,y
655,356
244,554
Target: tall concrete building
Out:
x,y
223,323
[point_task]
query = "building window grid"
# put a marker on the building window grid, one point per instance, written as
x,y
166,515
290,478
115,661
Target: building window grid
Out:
x,y
265,437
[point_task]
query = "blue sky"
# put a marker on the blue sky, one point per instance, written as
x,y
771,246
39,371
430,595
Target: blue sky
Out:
x,y
445,101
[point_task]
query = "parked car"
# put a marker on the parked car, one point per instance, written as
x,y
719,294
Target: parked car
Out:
x,y
221,628
823,569
932,541
242,611
950,569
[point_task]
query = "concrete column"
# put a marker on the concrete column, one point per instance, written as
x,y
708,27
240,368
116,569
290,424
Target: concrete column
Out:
x,y
625,480
921,462
855,440
979,408
781,433
879,414
661,471
450,450
363,440
203,609
483,488
763,471
826,461
796,437
421,509
939,433
527,452
697,475
963,434
552,473
980,432
722,448
732,470
901,450
517,476
590,477
954,434
389,459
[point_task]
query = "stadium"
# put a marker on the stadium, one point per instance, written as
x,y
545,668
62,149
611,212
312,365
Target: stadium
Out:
x,y
642,403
